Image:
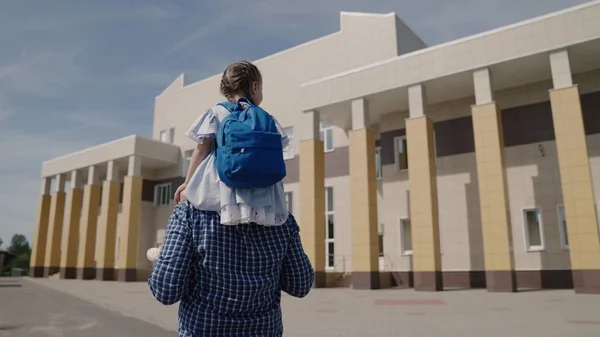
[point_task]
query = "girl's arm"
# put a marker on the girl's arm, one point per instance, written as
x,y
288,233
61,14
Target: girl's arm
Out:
x,y
200,153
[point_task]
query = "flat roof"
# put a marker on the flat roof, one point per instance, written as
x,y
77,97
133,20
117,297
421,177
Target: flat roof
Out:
x,y
562,29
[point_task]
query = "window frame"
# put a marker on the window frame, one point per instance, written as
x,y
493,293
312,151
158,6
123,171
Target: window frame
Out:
x,y
289,201
157,200
329,240
564,235
397,154
164,133
171,135
381,237
324,128
528,246
289,151
187,160
401,245
378,164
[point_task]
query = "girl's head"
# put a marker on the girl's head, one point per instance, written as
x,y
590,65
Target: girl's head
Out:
x,y
242,79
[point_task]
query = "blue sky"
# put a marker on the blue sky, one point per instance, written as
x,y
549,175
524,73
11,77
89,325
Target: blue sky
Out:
x,y
78,73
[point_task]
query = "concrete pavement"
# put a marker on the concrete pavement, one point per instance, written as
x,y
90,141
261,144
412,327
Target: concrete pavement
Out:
x,y
32,310
382,313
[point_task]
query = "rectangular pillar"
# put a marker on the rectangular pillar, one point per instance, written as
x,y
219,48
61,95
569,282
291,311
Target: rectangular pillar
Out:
x,y
86,264
68,259
132,206
422,175
493,190
312,195
493,199
363,201
424,216
105,266
575,177
55,228
40,236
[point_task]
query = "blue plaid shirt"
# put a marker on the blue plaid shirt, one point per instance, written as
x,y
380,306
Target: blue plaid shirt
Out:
x,y
229,278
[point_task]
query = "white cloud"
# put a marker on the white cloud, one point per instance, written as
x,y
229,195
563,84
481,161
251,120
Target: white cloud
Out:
x,y
47,73
20,167
56,17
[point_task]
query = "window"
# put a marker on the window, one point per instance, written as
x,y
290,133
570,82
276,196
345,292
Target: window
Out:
x,y
187,156
534,235
330,228
562,227
326,134
163,136
378,167
401,153
405,237
381,252
167,136
289,201
288,152
162,194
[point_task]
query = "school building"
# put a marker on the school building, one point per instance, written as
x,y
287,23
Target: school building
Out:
x,y
474,163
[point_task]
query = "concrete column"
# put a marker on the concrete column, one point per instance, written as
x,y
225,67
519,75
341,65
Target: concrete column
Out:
x,y
575,177
55,227
493,191
130,227
363,200
68,258
105,264
86,265
312,194
422,175
40,236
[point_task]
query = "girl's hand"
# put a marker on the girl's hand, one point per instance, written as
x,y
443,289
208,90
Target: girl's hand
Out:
x,y
178,193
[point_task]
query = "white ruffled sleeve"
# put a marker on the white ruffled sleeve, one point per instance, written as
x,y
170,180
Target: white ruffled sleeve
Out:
x,y
206,126
285,140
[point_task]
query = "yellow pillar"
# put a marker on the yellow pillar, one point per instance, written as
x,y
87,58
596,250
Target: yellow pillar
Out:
x,y
493,199
105,264
424,218
363,201
578,190
422,176
312,196
68,257
86,264
55,227
493,190
575,177
132,203
40,236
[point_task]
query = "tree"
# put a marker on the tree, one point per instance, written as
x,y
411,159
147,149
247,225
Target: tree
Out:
x,y
1,242
20,247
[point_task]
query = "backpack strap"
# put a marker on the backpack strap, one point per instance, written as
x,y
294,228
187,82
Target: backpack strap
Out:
x,y
230,106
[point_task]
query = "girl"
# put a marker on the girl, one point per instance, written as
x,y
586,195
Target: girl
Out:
x,y
202,186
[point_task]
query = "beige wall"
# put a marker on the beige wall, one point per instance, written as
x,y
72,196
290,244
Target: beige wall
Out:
x,y
363,39
532,180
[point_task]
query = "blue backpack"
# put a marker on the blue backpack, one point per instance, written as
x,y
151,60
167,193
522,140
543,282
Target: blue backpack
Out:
x,y
249,149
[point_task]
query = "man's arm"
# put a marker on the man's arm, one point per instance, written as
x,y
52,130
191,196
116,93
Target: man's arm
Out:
x,y
169,280
297,274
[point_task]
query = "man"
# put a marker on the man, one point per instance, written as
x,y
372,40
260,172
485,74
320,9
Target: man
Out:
x,y
229,278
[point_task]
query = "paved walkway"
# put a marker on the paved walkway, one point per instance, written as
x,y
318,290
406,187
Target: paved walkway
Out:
x,y
32,310
383,313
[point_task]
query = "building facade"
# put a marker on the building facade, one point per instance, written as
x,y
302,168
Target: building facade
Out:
x,y
453,166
